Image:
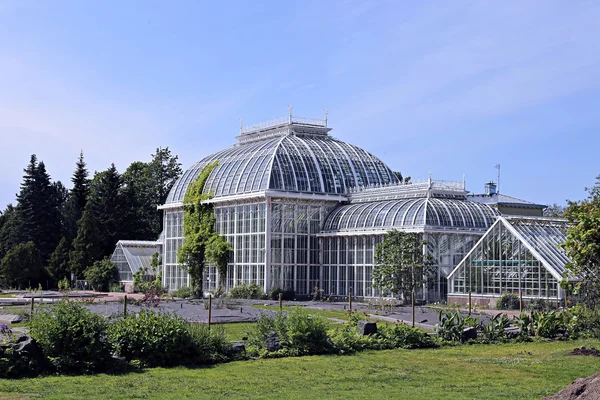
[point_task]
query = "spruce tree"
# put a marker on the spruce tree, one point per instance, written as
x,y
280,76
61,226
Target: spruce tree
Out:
x,y
21,267
78,197
87,245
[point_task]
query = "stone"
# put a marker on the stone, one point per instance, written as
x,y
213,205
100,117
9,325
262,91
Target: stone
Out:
x,y
24,346
366,328
238,348
468,334
273,343
10,318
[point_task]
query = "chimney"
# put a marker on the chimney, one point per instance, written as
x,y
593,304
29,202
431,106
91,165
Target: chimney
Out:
x,y
490,188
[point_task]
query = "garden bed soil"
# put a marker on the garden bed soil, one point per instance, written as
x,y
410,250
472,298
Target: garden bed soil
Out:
x,y
581,389
583,351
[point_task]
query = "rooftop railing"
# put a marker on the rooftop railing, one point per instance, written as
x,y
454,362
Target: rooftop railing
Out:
x,y
283,121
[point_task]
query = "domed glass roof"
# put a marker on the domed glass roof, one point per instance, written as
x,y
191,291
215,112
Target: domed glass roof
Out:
x,y
289,162
417,212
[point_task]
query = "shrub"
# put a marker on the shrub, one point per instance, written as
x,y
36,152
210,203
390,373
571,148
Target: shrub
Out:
x,y
494,331
63,285
155,339
101,274
289,294
549,324
452,323
538,305
274,293
208,345
403,336
184,292
583,322
508,301
247,291
71,337
299,331
346,339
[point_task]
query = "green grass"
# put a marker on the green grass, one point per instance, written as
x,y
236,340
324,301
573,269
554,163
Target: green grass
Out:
x,y
6,295
514,371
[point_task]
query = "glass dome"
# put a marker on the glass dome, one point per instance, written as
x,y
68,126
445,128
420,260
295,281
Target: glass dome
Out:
x,y
290,162
419,212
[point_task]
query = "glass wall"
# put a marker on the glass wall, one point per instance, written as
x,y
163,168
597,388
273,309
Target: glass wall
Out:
x,y
499,264
174,276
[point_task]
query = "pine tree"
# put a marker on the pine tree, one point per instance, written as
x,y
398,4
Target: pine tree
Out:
x,y
22,266
87,245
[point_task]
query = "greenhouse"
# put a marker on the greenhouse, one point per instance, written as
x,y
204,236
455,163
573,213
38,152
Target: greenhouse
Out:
x,y
519,255
305,211
131,255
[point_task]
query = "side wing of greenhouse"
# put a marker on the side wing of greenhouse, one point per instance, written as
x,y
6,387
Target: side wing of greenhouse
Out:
x,y
131,255
519,255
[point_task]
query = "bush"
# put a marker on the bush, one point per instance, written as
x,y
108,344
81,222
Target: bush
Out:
x,y
101,274
452,323
299,331
155,339
71,337
583,322
274,293
538,305
184,292
63,285
508,301
247,291
403,336
209,346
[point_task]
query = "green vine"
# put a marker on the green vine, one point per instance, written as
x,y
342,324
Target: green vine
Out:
x,y
201,244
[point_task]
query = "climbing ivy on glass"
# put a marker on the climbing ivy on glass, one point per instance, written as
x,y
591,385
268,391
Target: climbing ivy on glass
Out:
x,y
201,243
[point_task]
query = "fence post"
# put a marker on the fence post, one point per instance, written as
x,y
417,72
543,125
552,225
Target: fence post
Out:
x,y
520,301
125,306
280,302
32,300
209,309
350,300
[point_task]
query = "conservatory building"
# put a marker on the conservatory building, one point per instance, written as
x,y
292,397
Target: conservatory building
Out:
x,y
302,209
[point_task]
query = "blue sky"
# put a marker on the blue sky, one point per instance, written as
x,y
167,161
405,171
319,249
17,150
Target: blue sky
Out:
x,y
450,88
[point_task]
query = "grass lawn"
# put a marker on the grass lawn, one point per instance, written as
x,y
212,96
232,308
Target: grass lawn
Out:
x,y
514,371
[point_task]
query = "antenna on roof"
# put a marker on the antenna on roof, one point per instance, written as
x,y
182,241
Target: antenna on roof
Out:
x,y
497,166
464,183
241,124
326,114
290,108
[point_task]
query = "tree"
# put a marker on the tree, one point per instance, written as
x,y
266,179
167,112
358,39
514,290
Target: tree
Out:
x,y
149,278
583,243
78,197
86,246
554,211
9,224
22,266
402,179
101,275
59,266
111,209
400,265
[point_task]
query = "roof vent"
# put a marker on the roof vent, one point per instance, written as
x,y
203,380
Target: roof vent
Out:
x,y
490,188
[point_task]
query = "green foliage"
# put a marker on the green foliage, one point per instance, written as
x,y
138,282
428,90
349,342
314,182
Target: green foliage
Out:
x,y
21,266
154,339
59,266
78,197
63,285
247,291
400,335
508,301
15,364
146,278
209,346
217,253
71,337
494,330
452,323
101,274
198,228
549,325
583,244
538,304
184,292
400,266
86,246
288,294
298,330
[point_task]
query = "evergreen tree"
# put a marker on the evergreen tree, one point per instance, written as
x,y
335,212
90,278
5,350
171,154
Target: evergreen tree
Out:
x,y
38,216
22,266
111,209
78,197
8,230
59,266
86,247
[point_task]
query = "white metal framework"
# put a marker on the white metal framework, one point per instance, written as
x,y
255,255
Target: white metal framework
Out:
x,y
131,255
517,255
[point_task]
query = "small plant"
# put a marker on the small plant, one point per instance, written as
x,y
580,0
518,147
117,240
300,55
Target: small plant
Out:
x,y
5,329
494,330
247,291
508,301
538,305
63,285
317,294
184,292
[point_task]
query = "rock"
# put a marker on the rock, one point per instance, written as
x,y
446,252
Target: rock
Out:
x,y
581,389
10,318
512,331
366,328
24,349
238,348
273,342
468,334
